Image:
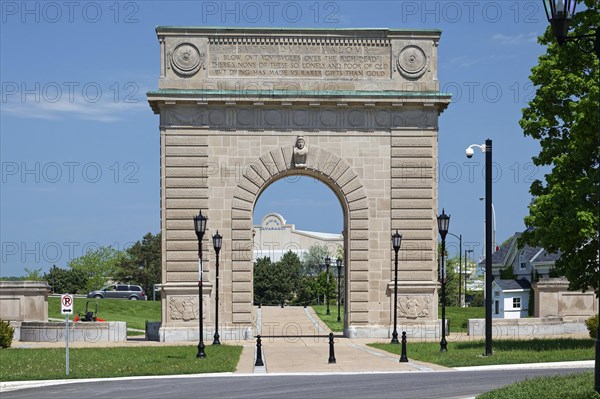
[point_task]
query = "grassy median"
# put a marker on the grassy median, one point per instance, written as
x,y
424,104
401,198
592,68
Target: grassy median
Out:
x,y
470,353
331,320
573,386
135,313
47,364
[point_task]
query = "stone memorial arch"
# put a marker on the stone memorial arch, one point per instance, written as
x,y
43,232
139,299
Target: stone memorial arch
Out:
x,y
356,109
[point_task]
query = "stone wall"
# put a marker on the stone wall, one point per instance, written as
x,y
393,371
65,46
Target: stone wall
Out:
x,y
24,300
114,331
528,327
552,298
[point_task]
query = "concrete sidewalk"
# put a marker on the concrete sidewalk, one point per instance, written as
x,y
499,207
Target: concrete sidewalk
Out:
x,y
295,340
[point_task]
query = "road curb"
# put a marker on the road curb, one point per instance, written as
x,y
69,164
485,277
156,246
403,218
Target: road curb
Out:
x,y
18,385
525,366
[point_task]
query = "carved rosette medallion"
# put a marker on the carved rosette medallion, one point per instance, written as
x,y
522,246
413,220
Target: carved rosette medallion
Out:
x,y
414,306
183,308
186,60
412,62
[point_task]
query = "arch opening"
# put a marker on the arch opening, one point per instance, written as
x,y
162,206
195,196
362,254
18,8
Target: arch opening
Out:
x,y
298,220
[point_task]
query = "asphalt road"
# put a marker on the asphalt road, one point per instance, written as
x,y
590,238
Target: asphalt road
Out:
x,y
450,384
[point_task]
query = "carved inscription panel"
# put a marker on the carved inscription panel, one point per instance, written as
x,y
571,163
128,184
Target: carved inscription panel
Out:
x,y
333,61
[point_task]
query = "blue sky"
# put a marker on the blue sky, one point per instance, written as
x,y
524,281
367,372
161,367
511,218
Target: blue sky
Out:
x,y
79,145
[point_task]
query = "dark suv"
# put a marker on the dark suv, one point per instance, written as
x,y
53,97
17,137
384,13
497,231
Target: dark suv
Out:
x,y
119,291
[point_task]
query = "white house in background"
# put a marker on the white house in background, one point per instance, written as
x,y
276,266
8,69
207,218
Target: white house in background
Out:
x,y
511,298
274,237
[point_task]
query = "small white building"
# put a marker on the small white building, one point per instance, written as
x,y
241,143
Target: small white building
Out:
x,y
274,237
510,298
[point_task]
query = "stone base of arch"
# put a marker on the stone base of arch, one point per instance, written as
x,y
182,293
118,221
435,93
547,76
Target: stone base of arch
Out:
x,y
180,303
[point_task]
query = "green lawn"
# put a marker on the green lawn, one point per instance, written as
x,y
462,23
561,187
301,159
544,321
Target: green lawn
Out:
x,y
574,386
331,320
38,364
135,313
469,353
458,317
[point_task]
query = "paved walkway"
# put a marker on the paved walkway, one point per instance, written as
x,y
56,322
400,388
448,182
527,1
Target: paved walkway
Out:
x,y
294,340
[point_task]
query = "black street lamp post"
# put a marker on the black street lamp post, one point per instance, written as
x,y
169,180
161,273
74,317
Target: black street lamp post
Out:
x,y
396,241
217,242
559,15
327,263
467,251
200,228
459,267
487,148
338,263
443,224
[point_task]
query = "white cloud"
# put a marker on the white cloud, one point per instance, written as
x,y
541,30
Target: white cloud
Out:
x,y
76,108
521,38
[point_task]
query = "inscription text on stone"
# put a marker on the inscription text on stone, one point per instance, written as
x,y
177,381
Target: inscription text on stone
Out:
x,y
299,61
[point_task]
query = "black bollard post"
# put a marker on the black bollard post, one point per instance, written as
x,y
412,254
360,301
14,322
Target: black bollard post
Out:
x,y
331,350
259,361
403,357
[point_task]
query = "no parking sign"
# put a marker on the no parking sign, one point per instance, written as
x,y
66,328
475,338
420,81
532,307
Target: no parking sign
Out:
x,y
66,304
66,308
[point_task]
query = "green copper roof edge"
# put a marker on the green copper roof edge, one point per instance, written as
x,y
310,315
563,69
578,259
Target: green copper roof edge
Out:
x,y
274,29
350,93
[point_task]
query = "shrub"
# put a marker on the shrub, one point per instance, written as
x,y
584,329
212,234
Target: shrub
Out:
x,y
6,334
478,300
592,325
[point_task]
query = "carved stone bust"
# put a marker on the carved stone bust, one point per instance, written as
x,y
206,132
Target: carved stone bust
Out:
x,y
300,152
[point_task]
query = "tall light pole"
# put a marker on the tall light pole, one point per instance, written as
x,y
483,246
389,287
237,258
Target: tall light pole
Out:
x,y
217,242
459,267
467,251
443,224
487,148
200,228
327,263
493,224
559,15
396,241
338,263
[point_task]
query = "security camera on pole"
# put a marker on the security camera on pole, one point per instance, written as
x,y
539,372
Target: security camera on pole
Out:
x,y
487,149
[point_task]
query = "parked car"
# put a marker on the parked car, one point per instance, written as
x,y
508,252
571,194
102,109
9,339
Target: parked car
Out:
x,y
121,291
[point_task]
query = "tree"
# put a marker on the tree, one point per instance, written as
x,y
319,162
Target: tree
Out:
x,y
306,292
452,278
142,263
313,259
33,274
322,288
63,281
98,265
451,282
262,279
563,116
288,275
276,282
